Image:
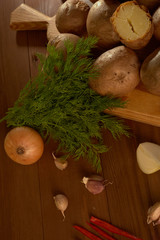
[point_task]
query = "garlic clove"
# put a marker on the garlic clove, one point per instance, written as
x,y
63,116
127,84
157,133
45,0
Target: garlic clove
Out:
x,y
148,157
60,163
153,214
61,203
94,185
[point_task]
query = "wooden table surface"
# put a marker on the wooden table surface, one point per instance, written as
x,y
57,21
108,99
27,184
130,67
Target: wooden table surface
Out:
x,y
27,209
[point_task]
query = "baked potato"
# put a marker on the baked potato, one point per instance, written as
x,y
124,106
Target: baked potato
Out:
x,y
71,17
99,25
156,22
150,72
59,40
133,24
118,72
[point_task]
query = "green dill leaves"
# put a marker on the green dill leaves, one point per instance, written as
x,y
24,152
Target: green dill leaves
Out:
x,y
59,103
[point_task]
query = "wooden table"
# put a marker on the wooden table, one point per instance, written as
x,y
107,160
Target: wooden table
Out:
x,y
27,208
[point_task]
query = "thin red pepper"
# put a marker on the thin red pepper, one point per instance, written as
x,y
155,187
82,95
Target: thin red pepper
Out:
x,y
112,228
101,232
87,233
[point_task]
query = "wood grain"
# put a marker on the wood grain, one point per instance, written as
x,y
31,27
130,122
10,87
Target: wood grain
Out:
x,y
141,106
26,18
20,215
28,211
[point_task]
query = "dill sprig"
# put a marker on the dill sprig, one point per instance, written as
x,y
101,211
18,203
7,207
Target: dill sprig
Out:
x,y
59,103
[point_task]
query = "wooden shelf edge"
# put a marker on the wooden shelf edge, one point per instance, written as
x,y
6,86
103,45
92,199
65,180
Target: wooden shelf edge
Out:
x,y
142,107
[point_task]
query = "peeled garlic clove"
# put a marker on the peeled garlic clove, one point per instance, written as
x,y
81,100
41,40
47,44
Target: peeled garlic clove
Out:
x,y
153,215
61,203
60,163
148,157
93,186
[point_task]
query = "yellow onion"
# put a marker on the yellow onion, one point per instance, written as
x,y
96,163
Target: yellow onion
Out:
x,y
24,145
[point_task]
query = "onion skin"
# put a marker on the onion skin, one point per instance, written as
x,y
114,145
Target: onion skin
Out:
x,y
24,145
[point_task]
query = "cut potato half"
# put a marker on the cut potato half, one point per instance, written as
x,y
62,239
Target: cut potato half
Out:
x,y
133,24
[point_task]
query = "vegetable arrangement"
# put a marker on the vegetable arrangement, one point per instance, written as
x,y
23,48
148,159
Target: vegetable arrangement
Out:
x,y
132,25
58,103
118,66
67,98
129,23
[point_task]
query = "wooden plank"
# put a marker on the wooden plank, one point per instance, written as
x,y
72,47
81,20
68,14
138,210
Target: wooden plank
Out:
x,y
141,106
20,215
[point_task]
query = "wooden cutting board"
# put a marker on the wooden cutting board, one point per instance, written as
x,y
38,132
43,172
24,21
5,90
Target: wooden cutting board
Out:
x,y
141,105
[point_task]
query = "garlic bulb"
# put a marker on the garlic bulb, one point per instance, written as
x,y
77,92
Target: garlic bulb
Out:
x,y
153,215
61,203
148,157
60,163
95,184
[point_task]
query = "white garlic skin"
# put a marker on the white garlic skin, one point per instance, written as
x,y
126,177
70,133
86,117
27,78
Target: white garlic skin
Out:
x,y
153,214
61,203
59,163
148,157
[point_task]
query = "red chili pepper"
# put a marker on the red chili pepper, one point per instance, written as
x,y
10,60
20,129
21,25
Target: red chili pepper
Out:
x,y
101,232
87,233
112,228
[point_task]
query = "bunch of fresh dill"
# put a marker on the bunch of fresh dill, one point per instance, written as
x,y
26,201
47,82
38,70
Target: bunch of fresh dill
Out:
x,y
59,103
